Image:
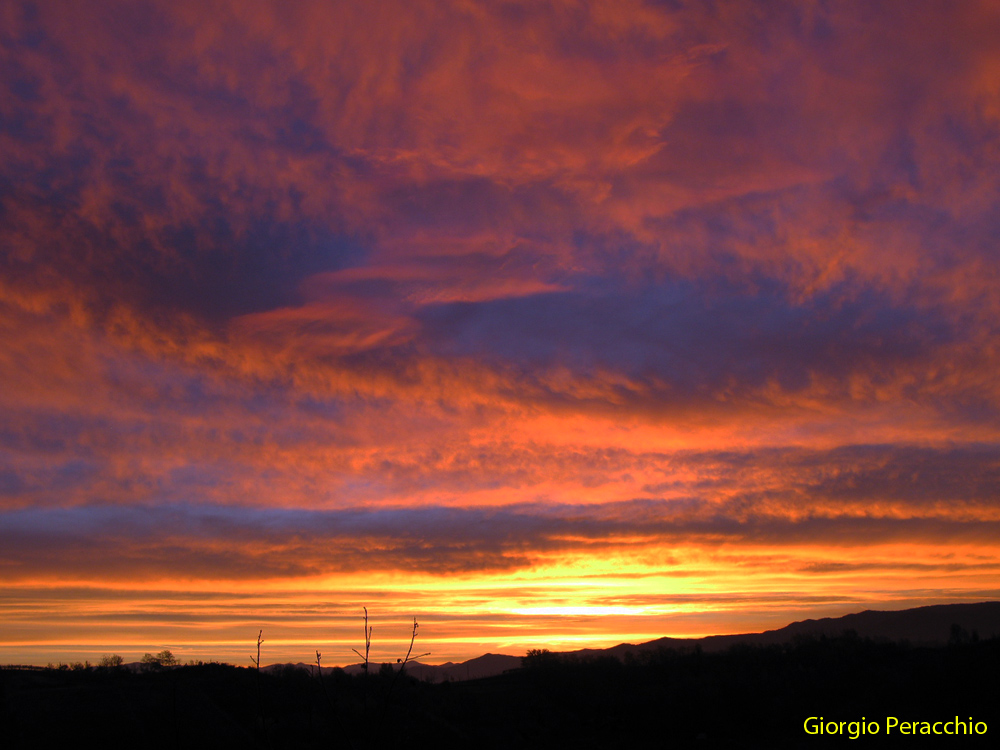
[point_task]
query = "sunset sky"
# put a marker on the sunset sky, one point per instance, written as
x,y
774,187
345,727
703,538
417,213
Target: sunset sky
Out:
x,y
551,324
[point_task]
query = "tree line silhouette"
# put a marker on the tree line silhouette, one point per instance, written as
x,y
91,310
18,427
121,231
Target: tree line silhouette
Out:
x,y
746,697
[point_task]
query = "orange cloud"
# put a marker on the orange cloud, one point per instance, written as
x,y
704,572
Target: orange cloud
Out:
x,y
546,309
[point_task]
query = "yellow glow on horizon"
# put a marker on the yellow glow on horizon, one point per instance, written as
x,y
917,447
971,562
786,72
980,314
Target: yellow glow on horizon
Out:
x,y
565,602
588,611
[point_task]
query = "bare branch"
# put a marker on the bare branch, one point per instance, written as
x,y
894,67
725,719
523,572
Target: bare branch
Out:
x,y
260,640
413,637
402,665
368,643
260,696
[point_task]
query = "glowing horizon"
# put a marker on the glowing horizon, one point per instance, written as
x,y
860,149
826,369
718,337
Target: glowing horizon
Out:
x,y
543,323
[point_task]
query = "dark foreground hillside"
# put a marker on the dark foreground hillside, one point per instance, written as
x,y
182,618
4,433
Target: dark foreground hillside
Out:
x,y
748,697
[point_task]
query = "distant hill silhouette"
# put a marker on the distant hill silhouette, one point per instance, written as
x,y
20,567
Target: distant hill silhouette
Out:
x,y
922,626
486,665
676,693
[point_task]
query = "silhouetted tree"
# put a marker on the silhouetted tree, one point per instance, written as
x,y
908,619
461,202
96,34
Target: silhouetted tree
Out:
x,y
163,659
112,660
539,657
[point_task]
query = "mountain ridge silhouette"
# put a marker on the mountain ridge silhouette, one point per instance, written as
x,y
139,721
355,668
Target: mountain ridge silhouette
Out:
x,y
931,625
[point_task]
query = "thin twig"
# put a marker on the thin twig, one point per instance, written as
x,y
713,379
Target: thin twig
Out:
x,y
402,665
260,695
319,673
368,642
368,645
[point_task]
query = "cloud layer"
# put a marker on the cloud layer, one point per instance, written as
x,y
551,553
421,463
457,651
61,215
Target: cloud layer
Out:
x,y
687,292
